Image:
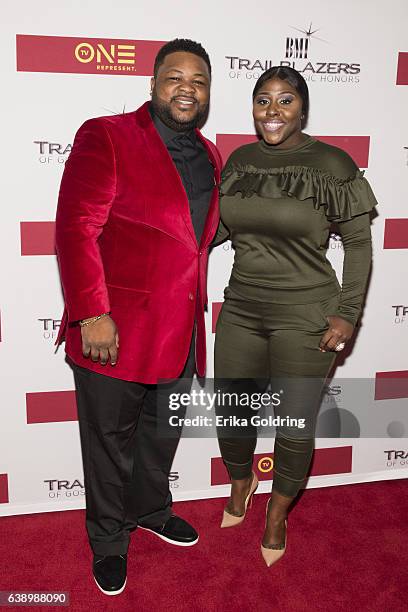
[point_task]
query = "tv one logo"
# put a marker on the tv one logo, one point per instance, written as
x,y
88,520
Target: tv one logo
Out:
x,y
84,55
265,464
104,57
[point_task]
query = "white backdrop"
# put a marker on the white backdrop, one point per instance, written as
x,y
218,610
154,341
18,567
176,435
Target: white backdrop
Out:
x,y
40,463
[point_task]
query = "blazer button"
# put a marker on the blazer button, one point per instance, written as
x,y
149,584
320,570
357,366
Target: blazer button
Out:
x,y
191,296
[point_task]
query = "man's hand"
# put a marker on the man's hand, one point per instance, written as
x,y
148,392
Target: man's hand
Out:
x,y
339,331
100,341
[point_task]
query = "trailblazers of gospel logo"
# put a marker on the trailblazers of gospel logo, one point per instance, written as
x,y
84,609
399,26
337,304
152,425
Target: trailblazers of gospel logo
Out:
x,y
174,477
400,314
331,391
49,328
62,489
335,242
396,458
302,51
52,152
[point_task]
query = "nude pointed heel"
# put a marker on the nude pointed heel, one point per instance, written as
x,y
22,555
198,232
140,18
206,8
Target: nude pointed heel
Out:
x,y
230,520
273,552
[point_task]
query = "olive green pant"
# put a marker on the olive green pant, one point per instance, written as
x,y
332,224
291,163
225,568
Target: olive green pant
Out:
x,y
258,343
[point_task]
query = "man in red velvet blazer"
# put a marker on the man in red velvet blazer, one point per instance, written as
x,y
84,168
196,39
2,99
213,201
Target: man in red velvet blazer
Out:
x,y
137,211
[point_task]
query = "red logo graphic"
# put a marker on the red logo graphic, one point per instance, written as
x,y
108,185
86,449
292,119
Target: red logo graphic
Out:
x,y
216,307
358,147
51,407
4,493
37,237
402,69
86,55
391,385
325,461
396,234
227,143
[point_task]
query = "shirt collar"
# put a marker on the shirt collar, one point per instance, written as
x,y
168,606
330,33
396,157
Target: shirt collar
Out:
x,y
166,133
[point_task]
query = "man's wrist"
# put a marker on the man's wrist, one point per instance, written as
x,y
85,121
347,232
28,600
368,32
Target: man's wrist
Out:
x,y
90,320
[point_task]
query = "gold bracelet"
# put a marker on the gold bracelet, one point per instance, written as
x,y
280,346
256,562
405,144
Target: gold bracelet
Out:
x,y
86,322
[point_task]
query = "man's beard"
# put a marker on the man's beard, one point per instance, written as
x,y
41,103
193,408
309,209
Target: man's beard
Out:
x,y
163,111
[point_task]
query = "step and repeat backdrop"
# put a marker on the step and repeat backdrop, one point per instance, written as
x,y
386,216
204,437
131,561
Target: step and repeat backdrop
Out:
x,y
64,63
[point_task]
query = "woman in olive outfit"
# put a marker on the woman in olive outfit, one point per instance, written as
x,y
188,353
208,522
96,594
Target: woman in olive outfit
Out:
x,y
285,314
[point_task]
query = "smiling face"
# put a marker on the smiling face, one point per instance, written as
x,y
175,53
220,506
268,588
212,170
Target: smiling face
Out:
x,y
277,111
181,91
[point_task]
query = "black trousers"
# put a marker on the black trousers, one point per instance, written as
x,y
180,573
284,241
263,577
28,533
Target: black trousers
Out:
x,y
126,454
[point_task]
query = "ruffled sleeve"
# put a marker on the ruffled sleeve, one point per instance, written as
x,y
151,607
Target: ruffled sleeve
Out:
x,y
342,199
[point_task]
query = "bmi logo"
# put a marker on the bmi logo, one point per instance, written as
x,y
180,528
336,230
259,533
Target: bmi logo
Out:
x,y
298,48
297,55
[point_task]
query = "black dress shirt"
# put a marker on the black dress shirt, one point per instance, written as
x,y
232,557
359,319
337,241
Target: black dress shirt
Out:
x,y
196,172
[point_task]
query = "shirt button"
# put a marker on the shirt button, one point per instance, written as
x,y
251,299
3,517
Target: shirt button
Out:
x,y
191,296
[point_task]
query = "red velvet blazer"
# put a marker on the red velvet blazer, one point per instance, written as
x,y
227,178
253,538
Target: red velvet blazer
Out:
x,y
126,244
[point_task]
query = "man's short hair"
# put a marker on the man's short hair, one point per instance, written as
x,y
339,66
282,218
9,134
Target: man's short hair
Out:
x,y
180,44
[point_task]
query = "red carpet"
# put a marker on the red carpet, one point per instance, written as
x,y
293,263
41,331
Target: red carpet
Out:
x,y
347,551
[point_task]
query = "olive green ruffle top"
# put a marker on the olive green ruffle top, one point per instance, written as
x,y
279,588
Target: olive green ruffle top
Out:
x,y
277,207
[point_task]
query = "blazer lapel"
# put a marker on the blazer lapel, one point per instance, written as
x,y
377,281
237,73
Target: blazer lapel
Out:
x,y
166,171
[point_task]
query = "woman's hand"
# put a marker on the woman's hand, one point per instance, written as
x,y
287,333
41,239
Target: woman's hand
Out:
x,y
339,331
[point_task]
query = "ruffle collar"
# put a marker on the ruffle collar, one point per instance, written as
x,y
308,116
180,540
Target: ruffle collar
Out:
x,y
343,199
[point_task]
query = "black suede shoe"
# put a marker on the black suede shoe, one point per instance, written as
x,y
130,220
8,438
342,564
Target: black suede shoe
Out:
x,y
110,573
175,531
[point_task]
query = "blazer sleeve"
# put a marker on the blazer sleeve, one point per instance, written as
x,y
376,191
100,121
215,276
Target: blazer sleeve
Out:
x,y
86,194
